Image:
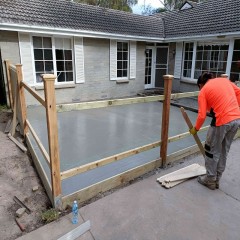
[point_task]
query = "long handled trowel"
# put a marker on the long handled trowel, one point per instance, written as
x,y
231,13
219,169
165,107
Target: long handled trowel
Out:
x,y
189,123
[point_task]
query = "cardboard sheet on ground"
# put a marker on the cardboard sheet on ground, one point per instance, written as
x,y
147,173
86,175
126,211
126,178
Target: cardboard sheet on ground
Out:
x,y
172,179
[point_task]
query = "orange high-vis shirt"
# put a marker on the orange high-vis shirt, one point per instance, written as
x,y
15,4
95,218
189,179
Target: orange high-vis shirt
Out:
x,y
223,97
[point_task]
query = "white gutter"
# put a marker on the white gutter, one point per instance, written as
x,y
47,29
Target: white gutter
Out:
x,y
73,32
208,36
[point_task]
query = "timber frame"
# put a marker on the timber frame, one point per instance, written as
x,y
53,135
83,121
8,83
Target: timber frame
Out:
x,y
53,189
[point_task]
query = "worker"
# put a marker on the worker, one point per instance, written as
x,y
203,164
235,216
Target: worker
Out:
x,y
221,98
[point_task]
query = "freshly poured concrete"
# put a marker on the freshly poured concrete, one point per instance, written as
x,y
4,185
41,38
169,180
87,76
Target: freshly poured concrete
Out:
x,y
89,135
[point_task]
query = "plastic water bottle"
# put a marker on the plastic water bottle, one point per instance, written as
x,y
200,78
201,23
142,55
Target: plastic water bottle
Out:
x,y
75,212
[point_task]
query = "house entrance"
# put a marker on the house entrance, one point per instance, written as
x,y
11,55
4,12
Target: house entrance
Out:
x,y
156,65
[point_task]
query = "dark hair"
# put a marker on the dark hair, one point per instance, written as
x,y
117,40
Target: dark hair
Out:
x,y
204,78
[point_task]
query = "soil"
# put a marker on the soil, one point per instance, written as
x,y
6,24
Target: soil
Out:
x,y
18,177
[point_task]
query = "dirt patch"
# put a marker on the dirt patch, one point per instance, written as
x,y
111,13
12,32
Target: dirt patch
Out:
x,y
18,177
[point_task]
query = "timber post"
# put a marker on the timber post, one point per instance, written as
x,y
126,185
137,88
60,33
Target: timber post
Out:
x,y
21,96
165,117
52,128
9,87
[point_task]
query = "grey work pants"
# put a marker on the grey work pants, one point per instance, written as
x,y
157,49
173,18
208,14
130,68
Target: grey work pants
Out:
x,y
217,145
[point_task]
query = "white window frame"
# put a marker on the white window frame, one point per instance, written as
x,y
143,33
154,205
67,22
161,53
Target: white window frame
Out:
x,y
195,44
132,55
54,59
128,61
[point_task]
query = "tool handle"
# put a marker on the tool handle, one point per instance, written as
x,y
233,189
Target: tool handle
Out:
x,y
189,123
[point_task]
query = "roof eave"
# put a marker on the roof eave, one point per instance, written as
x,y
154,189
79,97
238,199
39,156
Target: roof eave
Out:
x,y
225,35
74,32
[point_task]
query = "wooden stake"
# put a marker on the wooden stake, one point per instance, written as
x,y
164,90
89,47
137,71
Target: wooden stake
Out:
x,y
7,64
165,117
21,96
52,126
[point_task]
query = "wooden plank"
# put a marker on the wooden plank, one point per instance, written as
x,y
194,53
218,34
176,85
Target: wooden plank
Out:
x,y
104,161
8,126
168,184
77,232
191,167
20,145
201,170
39,168
34,93
184,95
107,103
110,183
165,117
41,147
22,101
14,120
10,94
52,128
189,123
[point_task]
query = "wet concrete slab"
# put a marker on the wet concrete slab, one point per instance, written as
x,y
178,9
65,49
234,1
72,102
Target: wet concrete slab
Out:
x,y
89,135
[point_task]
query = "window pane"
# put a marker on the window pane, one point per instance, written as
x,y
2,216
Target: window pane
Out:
x,y
58,43
60,66
119,46
237,44
69,76
68,54
48,54
59,55
68,65
37,42
124,73
119,73
125,64
47,42
125,46
67,43
119,64
39,66
49,66
38,77
125,56
61,77
38,54
119,56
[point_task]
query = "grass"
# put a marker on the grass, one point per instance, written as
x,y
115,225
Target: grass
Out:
x,y
50,215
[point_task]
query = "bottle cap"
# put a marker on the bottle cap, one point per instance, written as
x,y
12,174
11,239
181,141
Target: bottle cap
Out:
x,y
75,201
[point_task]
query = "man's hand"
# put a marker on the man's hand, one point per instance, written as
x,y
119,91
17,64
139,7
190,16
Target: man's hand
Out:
x,y
193,131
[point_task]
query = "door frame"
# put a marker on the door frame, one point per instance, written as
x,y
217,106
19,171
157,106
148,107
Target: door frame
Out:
x,y
152,85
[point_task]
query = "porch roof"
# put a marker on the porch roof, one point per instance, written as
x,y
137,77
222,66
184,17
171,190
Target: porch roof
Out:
x,y
65,14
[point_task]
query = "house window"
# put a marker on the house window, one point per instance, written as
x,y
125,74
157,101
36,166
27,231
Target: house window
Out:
x,y
235,67
211,57
43,57
187,64
64,60
53,55
206,56
122,59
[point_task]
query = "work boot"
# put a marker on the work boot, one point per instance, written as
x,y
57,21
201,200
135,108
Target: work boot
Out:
x,y
207,182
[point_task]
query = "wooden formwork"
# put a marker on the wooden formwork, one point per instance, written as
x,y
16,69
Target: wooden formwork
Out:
x,y
52,159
